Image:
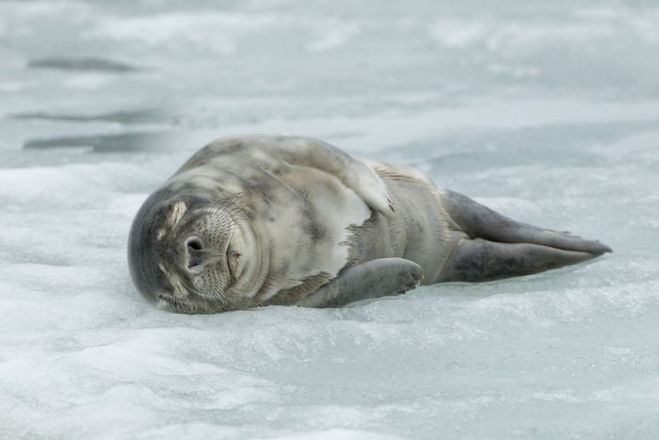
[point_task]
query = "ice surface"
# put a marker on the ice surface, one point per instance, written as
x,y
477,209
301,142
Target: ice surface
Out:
x,y
546,111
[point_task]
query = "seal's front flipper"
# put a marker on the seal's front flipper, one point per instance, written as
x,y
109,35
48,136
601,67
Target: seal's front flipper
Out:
x,y
307,152
373,279
354,173
494,246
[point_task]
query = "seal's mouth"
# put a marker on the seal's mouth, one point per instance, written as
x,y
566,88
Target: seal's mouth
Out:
x,y
186,306
203,249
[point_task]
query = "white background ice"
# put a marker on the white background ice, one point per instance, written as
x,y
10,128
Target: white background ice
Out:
x,y
546,111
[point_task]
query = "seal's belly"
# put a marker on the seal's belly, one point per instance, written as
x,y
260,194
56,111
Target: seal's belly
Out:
x,y
309,216
427,226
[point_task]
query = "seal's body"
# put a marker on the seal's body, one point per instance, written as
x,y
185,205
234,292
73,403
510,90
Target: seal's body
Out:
x,y
261,220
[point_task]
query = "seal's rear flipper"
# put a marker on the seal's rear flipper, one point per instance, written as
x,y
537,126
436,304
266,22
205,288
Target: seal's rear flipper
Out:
x,y
499,247
482,260
479,221
372,279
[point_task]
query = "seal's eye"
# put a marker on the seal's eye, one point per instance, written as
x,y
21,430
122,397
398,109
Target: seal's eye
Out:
x,y
194,243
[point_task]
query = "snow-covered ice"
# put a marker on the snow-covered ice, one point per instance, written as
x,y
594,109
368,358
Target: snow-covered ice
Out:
x,y
546,111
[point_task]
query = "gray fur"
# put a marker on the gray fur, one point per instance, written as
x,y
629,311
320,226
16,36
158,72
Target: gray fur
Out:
x,y
258,220
289,211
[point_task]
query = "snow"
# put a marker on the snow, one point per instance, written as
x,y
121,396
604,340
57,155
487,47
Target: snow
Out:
x,y
546,111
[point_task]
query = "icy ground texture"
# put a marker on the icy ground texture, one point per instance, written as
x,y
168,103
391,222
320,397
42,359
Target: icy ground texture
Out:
x,y
547,111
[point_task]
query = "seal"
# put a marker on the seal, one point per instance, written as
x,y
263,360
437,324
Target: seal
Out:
x,y
259,220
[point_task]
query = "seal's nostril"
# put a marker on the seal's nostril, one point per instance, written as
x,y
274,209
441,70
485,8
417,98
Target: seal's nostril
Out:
x,y
195,254
194,244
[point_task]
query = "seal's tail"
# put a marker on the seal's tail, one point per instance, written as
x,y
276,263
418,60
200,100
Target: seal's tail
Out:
x,y
499,247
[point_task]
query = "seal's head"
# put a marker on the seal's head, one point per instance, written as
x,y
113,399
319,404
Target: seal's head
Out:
x,y
189,254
